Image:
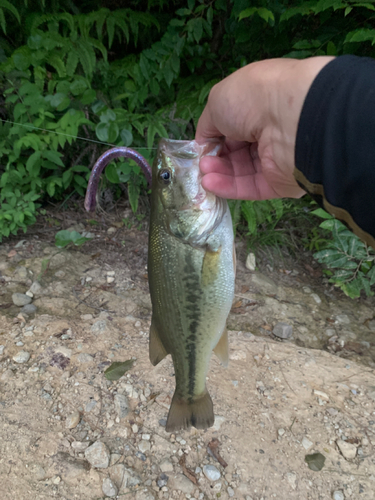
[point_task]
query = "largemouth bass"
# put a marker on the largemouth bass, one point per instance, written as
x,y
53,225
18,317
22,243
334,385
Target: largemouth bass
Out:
x,y
191,270
191,275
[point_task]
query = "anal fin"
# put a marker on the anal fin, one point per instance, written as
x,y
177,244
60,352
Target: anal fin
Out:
x,y
157,351
198,413
222,348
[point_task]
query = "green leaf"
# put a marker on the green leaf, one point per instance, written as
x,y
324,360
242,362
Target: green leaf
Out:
x,y
108,116
111,173
33,163
7,5
117,369
64,237
315,461
263,13
319,212
107,132
360,35
133,193
54,157
78,86
126,137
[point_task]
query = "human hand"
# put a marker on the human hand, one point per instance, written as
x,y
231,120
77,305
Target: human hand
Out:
x,y
257,110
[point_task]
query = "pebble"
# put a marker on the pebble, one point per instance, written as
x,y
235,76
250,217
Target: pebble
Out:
x,y
166,465
230,491
147,437
84,357
291,477
20,299
250,262
80,445
316,297
283,330
211,472
99,326
109,488
338,495
72,420
306,289
141,456
98,455
21,357
306,443
2,347
321,395
330,332
19,343
36,288
348,450
29,294
121,405
135,428
111,230
60,274
86,317
144,446
110,279
162,481
182,483
218,422
281,432
163,422
342,318
29,309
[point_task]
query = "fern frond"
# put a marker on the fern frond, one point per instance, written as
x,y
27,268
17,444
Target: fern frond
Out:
x,y
4,4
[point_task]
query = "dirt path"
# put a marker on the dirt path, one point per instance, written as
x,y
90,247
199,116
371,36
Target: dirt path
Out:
x,y
68,433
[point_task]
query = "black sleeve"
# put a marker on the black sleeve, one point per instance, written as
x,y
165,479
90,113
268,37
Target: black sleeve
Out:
x,y
335,145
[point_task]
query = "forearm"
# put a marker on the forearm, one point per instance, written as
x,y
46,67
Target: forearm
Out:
x,y
335,143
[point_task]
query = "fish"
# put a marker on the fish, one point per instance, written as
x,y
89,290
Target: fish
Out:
x,y
191,273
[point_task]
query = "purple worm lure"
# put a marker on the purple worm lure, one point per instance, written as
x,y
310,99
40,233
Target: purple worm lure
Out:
x,y
102,162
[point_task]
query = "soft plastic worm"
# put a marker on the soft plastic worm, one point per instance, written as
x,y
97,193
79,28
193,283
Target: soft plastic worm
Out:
x,y
102,162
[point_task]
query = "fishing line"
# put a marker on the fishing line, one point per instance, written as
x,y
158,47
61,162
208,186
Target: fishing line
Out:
x,y
66,135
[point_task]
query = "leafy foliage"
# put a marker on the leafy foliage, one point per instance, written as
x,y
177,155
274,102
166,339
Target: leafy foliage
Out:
x,y
349,261
75,74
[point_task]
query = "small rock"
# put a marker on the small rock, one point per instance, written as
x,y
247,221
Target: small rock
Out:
x,y
348,450
86,317
98,455
146,437
121,405
316,297
135,428
163,480
65,351
182,483
330,332
37,471
2,347
306,289
72,420
84,358
21,357
60,274
338,495
342,318
20,299
321,395
230,491
109,488
291,477
218,422
56,480
36,288
283,330
29,309
250,262
115,457
163,422
110,279
166,465
211,472
144,446
80,446
111,230
29,294
144,494
19,343
99,326
306,443
8,374
141,456
111,273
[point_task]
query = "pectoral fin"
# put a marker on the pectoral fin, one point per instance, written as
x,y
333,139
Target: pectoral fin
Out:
x,y
210,266
222,348
157,351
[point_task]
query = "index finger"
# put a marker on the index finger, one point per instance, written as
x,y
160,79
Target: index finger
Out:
x,y
206,128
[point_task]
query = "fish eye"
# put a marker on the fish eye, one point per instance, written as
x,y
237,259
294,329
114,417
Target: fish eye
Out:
x,y
165,176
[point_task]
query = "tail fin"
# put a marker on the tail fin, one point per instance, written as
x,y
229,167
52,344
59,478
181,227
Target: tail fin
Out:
x,y
183,414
